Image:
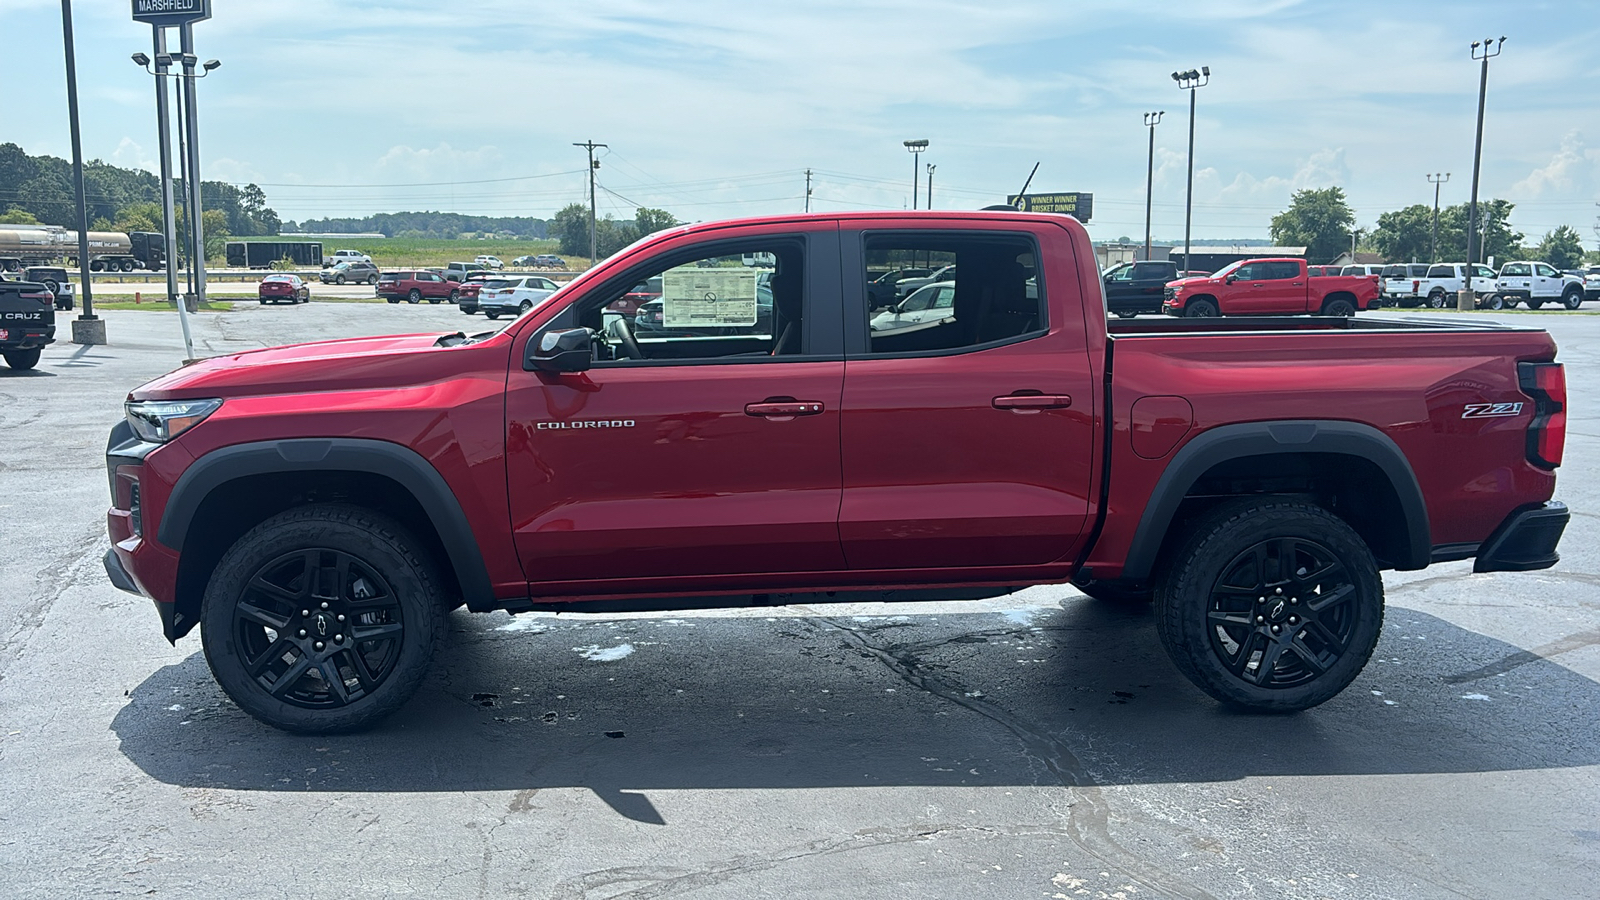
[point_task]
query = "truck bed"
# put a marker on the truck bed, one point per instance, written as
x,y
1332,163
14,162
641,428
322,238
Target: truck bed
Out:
x,y
1239,325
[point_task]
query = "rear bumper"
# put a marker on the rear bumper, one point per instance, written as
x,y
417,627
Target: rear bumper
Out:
x,y
1526,540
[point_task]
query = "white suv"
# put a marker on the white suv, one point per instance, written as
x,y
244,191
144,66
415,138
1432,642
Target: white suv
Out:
x,y
492,262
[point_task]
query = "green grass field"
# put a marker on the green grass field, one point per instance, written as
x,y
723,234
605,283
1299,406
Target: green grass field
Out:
x,y
388,253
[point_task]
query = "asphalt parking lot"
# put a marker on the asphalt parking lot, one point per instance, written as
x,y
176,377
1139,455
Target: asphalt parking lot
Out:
x,y
1039,745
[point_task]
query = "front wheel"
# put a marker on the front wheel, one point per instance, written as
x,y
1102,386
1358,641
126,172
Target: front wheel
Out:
x,y
1534,304
414,297
322,619
339,279
1115,593
1200,309
1274,606
1126,314
22,360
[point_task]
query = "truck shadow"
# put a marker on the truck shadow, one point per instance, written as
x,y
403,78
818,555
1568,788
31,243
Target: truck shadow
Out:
x,y
1080,695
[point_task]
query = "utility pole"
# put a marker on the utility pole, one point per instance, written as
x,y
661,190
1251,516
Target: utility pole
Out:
x,y
1190,81
808,190
594,165
1436,179
916,148
163,60
197,230
1467,300
931,167
87,328
1151,120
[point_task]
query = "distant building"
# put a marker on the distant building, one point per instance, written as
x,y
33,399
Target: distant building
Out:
x,y
1360,259
1210,259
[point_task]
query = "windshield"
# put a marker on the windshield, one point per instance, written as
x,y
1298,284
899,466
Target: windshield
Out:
x,y
1227,269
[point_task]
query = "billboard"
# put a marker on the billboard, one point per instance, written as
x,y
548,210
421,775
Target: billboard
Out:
x,y
1079,205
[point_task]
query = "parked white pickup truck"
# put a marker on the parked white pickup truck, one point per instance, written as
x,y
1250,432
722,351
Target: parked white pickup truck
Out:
x,y
1591,283
1400,283
1444,280
1537,283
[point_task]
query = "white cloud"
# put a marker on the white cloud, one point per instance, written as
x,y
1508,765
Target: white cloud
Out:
x,y
1574,170
130,154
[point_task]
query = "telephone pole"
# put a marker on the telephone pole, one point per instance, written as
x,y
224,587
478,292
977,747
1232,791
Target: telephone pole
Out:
x,y
1467,300
1436,179
808,190
594,165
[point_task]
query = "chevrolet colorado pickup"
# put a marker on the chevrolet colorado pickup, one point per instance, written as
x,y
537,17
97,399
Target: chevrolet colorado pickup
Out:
x,y
317,509
27,322
1256,287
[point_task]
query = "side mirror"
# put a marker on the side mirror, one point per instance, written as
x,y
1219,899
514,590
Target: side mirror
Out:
x,y
1231,279
571,350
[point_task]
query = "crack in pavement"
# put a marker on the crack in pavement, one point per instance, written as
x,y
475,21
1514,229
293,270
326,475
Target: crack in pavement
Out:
x,y
1517,660
1088,820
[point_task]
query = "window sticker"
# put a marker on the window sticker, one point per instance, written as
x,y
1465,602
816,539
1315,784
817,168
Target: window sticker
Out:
x,y
695,297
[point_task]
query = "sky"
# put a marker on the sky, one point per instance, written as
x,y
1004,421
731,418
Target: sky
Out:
x,y
715,108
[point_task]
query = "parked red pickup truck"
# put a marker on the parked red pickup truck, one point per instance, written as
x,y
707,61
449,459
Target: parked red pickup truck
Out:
x,y
1262,287
318,508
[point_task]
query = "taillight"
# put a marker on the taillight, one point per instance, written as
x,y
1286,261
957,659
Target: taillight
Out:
x,y
1546,383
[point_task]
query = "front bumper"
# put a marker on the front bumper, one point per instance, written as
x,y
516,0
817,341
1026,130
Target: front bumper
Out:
x,y
1526,540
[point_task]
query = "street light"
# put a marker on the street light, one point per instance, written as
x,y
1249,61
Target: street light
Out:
x,y
931,167
916,148
1190,81
1436,179
1467,300
1151,120
163,60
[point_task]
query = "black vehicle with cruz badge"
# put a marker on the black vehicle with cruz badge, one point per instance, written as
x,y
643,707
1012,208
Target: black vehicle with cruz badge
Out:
x,y
27,322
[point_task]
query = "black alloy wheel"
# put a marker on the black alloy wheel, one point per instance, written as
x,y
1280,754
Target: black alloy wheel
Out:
x,y
1271,606
1200,309
322,619
1344,309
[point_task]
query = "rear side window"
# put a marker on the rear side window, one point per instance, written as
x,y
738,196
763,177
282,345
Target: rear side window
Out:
x,y
1516,269
993,292
1442,272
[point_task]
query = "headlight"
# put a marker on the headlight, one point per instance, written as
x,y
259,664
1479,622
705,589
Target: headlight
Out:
x,y
159,421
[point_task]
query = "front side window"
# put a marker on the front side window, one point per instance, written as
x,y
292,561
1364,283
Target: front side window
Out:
x,y
746,299
1546,271
985,288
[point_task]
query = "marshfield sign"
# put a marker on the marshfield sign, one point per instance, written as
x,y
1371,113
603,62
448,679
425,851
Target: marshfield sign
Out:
x,y
171,12
1080,206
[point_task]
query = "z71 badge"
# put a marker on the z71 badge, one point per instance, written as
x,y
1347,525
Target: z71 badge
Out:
x,y
1491,410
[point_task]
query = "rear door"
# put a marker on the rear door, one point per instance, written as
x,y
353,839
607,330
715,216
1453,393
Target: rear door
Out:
x,y
967,440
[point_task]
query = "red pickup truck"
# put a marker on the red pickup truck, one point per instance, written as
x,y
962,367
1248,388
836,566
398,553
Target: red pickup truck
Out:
x,y
1269,287
318,508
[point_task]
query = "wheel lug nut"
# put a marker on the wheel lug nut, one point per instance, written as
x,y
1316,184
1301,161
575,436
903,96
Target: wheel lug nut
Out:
x,y
338,639
302,632
1294,620
1260,620
1275,630
341,617
1277,590
324,605
305,613
319,645
1294,601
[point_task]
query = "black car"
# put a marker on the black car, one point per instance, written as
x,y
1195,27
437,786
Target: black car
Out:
x,y
1137,287
27,322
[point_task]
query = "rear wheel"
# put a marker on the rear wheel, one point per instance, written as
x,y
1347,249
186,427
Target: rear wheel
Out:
x,y
1436,299
96,265
491,314
1126,314
525,306
1341,308
1271,605
392,299
1200,309
127,265
22,360
322,619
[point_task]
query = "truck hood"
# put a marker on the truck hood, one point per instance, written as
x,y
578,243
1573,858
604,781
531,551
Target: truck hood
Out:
x,y
346,364
1192,281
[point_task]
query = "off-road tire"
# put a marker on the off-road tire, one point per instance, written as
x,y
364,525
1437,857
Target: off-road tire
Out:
x,y
1197,615
409,585
22,360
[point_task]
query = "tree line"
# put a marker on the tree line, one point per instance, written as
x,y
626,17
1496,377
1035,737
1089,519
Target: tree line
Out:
x,y
37,190
570,226
1321,220
431,225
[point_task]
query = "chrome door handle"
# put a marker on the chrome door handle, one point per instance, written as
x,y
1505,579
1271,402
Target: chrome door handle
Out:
x,y
783,408
1030,403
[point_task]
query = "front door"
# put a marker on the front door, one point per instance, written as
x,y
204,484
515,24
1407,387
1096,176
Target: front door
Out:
x,y
699,450
967,440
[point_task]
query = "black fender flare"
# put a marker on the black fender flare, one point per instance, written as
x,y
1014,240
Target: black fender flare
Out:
x,y
1227,442
398,463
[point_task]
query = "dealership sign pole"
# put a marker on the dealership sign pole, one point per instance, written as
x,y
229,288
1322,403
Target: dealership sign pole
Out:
x,y
161,15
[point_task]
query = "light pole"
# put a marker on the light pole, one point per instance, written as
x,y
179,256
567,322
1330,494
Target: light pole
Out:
x,y
931,167
594,165
1190,81
1467,300
163,60
87,328
916,148
191,178
1436,179
1151,120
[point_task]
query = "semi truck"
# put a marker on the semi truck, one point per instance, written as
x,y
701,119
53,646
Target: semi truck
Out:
x,y
262,254
109,251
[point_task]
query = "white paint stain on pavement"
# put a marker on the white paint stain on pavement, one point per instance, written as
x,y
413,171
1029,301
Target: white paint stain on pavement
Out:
x,y
606,654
